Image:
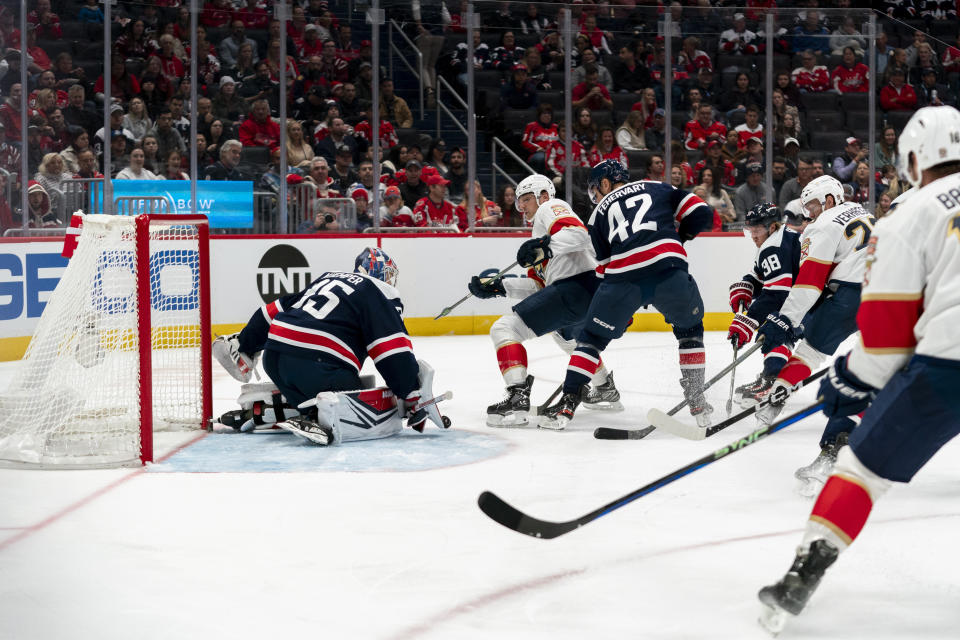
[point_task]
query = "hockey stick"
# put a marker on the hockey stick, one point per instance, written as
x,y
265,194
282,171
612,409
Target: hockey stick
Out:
x,y
609,433
733,377
546,403
690,432
456,304
512,518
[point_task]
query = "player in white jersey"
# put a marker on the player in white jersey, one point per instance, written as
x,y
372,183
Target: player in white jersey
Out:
x,y
906,366
825,295
555,295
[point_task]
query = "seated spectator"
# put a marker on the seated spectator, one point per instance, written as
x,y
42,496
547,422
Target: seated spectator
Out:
x,y
791,188
412,188
434,210
134,42
678,177
950,62
456,174
173,167
751,154
783,82
715,196
361,200
10,156
171,66
226,167
298,150
135,170
599,40
227,104
723,169
705,84
811,35
230,46
342,170
137,121
325,218
486,212
647,105
87,166
751,128
679,157
393,107
929,92
155,89
538,136
319,174
151,147
259,130
244,64
352,108
65,74
850,76
883,205
519,92
861,183
845,164
388,135
532,21
507,200
556,157
886,152
457,65
603,74
751,192
253,16
90,12
691,58
44,21
584,128
79,142
590,93
655,168
208,64
739,39
337,137
630,134
507,54
606,149
846,35
788,128
629,74
119,158
278,70
76,113
216,13
332,66
393,206
41,214
51,175
550,51
926,59
740,96
697,133
123,85
580,44
811,77
167,137
365,180
897,61
898,95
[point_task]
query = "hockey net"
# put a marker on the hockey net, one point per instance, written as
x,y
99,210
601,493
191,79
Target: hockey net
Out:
x,y
122,348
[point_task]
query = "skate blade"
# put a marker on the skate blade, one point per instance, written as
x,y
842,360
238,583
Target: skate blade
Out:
x,y
809,487
553,424
316,438
516,419
773,619
616,405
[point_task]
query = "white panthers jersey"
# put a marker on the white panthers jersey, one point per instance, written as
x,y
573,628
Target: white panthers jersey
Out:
x,y
569,241
911,292
832,250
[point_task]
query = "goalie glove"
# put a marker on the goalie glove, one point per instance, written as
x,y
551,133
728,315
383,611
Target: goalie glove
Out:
x,y
534,251
486,287
741,293
741,330
416,418
226,349
776,331
843,393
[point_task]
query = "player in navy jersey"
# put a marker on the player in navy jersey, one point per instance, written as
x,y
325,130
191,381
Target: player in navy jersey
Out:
x,y
316,341
762,292
637,231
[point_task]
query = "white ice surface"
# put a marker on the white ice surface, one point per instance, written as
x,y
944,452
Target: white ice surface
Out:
x,y
409,555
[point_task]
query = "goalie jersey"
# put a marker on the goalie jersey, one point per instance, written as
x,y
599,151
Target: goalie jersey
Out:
x,y
910,302
774,269
638,230
341,318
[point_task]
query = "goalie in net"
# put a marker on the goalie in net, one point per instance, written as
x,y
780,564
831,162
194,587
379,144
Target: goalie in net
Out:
x,y
313,344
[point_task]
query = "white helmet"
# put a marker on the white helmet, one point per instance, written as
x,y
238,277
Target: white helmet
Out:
x,y
933,137
819,188
535,184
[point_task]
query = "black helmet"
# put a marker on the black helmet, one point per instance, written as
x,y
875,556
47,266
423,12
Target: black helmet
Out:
x,y
763,214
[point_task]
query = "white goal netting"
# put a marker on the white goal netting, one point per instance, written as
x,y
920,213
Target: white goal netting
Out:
x,y
76,398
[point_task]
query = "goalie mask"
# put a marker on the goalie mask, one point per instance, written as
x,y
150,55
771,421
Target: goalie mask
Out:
x,y
375,263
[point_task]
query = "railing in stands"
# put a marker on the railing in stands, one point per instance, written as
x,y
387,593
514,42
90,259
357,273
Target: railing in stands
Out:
x,y
497,142
418,72
442,108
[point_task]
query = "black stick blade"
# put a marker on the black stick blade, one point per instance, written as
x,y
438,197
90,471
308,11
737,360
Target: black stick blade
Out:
x,y
515,520
609,433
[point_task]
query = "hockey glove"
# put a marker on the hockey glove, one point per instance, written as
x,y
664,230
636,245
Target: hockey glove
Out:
x,y
741,330
776,331
486,287
416,418
843,393
741,293
534,251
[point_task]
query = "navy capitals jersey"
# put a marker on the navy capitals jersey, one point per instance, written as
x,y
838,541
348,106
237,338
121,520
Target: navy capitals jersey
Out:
x,y
774,270
639,229
342,318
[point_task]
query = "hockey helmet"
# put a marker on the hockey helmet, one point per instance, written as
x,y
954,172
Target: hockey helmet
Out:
x,y
374,262
762,214
932,136
612,170
819,188
535,184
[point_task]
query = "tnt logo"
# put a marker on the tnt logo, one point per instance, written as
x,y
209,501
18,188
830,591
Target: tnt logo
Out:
x,y
282,270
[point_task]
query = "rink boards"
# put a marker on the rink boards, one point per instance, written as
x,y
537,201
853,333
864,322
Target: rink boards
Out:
x,y
248,271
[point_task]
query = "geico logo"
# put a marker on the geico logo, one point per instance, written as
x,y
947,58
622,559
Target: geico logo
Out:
x,y
25,282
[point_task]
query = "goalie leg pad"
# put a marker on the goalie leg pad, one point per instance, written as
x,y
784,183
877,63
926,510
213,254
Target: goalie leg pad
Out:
x,y
359,415
263,406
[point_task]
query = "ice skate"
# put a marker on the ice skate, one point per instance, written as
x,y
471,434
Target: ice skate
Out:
x,y
556,416
750,394
813,476
513,410
775,400
308,429
789,596
700,409
603,397
226,349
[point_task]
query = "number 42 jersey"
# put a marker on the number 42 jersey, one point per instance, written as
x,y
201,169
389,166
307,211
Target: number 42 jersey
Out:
x,y
639,229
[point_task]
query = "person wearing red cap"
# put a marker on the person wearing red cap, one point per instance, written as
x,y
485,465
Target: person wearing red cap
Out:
x,y
434,210
712,159
520,92
393,207
811,76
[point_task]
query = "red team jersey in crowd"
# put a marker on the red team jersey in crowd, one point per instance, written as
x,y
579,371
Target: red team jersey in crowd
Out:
x,y
537,137
427,213
856,80
616,153
557,156
729,171
696,135
815,80
744,133
388,135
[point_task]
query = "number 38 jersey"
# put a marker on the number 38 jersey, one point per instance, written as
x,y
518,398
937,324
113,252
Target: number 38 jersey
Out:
x,y
639,229
778,260
832,250
342,318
